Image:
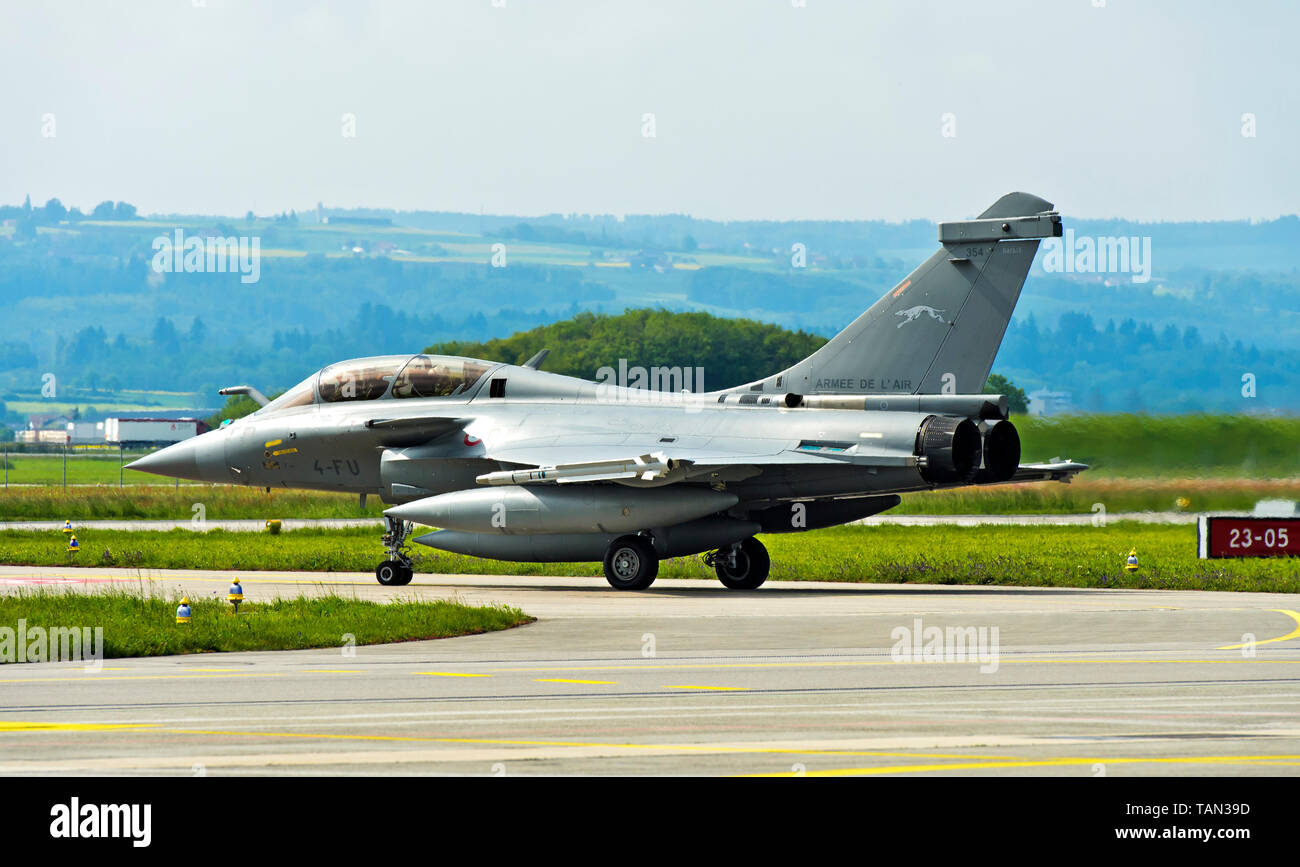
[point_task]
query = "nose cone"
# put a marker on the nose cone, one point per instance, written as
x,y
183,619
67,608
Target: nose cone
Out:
x,y
184,460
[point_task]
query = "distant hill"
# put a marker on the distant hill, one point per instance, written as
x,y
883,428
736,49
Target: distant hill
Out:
x,y
730,351
1212,325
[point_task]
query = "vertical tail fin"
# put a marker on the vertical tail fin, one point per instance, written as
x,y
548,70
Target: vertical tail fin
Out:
x,y
939,330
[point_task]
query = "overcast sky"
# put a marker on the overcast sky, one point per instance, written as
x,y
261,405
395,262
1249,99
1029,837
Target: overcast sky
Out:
x,y
761,109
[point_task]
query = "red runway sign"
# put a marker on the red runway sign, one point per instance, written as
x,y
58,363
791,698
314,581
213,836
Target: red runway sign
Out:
x,y
1220,536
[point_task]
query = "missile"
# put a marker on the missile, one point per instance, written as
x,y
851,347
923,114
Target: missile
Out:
x,y
645,467
547,509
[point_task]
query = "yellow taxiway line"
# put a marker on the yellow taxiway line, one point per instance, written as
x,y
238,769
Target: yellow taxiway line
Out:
x,y
567,680
1276,761
963,762
1295,633
223,674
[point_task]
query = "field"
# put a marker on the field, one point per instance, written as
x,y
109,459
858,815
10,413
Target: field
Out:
x,y
82,469
1219,446
139,625
223,502
1022,556
110,402
160,502
1115,494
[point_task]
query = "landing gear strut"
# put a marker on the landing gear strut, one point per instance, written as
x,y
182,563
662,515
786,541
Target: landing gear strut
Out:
x,y
742,566
396,571
631,563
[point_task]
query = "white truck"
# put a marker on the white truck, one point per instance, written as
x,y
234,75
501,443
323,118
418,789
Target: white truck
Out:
x,y
151,430
85,432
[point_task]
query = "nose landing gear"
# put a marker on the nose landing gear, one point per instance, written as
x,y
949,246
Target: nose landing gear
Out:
x,y
396,571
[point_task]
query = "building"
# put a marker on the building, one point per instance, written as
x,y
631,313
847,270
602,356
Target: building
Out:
x,y
44,428
1044,402
53,436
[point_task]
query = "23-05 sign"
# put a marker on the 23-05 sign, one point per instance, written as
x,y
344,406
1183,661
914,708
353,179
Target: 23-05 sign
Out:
x,y
1220,536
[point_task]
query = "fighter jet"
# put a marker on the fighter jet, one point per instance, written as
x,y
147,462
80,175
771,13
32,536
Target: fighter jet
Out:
x,y
514,463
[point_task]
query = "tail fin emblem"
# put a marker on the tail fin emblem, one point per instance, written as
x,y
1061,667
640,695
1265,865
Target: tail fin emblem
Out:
x,y
911,314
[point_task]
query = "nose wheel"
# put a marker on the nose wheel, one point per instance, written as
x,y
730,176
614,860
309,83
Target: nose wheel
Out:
x,y
397,570
394,573
743,566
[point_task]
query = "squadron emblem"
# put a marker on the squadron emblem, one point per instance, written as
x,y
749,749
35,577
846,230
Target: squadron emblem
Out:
x,y
911,314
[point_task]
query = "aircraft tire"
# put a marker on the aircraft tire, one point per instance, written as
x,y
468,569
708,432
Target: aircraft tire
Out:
x,y
752,566
631,563
393,573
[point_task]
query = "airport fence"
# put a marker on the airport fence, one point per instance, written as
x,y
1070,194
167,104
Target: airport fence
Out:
x,y
72,464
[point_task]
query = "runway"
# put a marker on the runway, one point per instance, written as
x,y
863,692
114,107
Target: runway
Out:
x,y
691,679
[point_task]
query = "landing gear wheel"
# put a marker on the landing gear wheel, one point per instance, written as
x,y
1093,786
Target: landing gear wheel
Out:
x,y
631,563
744,566
393,573
396,571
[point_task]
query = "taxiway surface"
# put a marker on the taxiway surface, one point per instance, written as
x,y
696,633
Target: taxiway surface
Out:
x,y
688,678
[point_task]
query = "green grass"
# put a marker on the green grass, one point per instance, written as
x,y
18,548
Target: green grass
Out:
x,y
1024,556
1239,446
1115,494
1027,556
227,502
137,625
82,469
160,502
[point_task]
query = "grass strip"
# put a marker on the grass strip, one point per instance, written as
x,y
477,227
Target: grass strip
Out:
x,y
1043,556
144,625
226,502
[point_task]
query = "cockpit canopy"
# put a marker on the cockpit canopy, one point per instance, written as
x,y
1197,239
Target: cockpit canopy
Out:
x,y
362,379
391,376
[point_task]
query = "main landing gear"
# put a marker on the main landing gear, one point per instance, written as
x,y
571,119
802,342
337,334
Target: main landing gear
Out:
x,y
632,564
742,566
396,571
